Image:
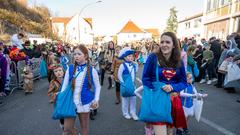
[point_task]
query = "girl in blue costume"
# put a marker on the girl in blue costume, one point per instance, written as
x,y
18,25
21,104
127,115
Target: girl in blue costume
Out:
x,y
86,90
64,60
187,96
127,75
172,74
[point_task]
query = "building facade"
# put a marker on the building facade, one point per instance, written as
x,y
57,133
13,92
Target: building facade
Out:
x,y
59,26
222,17
73,30
132,33
191,27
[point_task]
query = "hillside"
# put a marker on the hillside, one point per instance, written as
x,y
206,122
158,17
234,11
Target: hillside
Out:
x,y
14,17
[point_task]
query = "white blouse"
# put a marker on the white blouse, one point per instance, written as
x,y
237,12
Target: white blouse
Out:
x,y
130,69
79,79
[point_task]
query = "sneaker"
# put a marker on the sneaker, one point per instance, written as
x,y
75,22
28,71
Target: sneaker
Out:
x,y
128,117
117,102
202,81
186,131
61,126
179,132
238,100
209,82
214,79
135,117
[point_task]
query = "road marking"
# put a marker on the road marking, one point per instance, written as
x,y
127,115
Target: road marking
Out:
x,y
216,126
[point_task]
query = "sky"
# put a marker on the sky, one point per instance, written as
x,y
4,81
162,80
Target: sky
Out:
x,y
110,16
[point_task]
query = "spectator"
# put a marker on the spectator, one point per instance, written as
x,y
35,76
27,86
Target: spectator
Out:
x,y
191,63
216,49
3,71
237,39
36,49
17,41
221,76
207,65
27,50
16,55
198,58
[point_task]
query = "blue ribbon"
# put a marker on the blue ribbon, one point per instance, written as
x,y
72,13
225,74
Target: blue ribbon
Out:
x,y
81,67
130,63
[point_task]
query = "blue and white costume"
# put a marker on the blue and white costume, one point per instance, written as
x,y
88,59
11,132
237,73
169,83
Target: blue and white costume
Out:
x,y
128,68
64,62
82,95
187,99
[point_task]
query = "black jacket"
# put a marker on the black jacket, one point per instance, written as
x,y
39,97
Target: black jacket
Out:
x,y
216,48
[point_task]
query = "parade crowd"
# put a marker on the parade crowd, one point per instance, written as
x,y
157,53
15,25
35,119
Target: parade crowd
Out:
x,y
171,68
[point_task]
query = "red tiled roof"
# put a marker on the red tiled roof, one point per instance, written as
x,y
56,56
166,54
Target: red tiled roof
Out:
x,y
154,32
131,27
64,20
89,21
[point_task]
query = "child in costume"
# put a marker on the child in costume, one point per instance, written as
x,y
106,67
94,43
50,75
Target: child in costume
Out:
x,y
127,76
55,85
115,66
28,79
64,60
86,89
187,96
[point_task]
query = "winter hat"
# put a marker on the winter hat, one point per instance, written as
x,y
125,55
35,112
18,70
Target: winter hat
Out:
x,y
125,52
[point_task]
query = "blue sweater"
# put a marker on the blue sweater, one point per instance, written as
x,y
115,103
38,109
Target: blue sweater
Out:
x,y
176,77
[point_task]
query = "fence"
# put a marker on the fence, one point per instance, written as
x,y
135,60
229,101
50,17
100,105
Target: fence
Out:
x,y
16,71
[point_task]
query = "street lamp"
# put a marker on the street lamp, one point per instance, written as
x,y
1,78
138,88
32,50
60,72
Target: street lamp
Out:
x,y
81,13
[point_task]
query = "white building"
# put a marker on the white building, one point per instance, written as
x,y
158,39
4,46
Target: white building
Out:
x,y
74,30
59,25
191,27
131,33
222,17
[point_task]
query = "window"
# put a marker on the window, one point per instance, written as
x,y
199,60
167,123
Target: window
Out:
x,y
215,2
134,35
208,5
197,22
187,25
238,25
224,2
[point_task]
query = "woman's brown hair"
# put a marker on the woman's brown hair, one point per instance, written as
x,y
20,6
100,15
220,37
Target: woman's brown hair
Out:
x,y
175,58
84,50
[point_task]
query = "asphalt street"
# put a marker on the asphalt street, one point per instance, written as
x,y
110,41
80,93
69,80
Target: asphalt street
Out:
x,y
31,115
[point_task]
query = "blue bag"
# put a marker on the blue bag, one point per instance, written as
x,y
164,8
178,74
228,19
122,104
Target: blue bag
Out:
x,y
64,106
156,103
127,89
43,68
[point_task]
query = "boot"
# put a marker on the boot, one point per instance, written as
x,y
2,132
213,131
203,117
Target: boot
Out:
x,y
118,98
92,115
109,82
179,132
95,112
